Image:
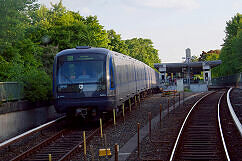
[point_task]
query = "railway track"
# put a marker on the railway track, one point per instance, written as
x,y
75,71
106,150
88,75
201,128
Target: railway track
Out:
x,y
199,137
231,133
69,142
13,147
59,146
159,142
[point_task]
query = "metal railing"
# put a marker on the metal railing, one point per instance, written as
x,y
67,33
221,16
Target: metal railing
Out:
x,y
10,91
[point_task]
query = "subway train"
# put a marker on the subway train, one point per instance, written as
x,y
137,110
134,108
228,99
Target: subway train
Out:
x,y
91,81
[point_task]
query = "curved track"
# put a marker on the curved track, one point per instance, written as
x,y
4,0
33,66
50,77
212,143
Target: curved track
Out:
x,y
234,116
231,133
199,137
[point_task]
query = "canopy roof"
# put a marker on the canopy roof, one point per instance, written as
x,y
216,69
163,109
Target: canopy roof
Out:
x,y
195,67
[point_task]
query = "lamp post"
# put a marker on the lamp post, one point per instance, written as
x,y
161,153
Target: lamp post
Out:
x,y
187,61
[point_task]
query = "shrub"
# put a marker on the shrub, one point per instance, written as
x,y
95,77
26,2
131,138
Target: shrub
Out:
x,y
37,85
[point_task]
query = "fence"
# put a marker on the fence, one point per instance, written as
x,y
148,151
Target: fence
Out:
x,y
10,91
231,80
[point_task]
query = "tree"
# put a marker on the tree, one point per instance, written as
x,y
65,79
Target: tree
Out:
x,y
232,48
13,22
31,35
210,55
143,50
116,43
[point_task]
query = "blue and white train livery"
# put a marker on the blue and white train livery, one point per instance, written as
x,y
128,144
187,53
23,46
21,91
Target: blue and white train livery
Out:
x,y
91,81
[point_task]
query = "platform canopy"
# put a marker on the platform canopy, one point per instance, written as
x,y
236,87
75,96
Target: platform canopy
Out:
x,y
195,67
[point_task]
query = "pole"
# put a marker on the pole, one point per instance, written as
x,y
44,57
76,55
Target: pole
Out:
x,y
179,99
101,128
84,142
123,110
138,127
168,106
50,158
160,112
116,152
149,117
114,117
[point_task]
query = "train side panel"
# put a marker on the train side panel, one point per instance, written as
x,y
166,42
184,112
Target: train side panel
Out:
x,y
125,78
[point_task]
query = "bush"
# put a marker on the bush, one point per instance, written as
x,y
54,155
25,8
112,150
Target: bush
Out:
x,y
28,70
37,85
187,90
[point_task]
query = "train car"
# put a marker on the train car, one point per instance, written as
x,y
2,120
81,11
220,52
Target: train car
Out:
x,y
90,81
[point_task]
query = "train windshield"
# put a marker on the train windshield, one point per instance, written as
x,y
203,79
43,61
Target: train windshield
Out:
x,y
81,69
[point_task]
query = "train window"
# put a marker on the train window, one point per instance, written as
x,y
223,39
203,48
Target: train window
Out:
x,y
131,72
123,74
69,58
120,75
127,73
111,73
81,68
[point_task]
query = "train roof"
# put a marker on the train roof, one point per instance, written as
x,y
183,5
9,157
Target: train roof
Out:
x,y
83,49
88,49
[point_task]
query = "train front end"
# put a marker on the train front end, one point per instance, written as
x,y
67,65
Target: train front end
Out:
x,y
80,82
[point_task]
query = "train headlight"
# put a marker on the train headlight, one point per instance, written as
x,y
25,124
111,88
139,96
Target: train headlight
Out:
x,y
111,92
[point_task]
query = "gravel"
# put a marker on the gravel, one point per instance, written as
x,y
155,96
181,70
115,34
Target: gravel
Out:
x,y
126,129
120,133
26,143
232,136
236,101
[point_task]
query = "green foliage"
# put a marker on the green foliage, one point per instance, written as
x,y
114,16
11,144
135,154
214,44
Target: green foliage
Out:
x,y
231,53
116,43
37,85
67,29
209,56
143,50
194,58
13,22
187,90
3,68
31,35
47,58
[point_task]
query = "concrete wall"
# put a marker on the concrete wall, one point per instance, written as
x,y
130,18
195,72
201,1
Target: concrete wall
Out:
x,y
15,123
193,87
198,87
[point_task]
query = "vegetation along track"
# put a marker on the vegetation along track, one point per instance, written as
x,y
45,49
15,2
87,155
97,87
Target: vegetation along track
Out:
x,y
199,137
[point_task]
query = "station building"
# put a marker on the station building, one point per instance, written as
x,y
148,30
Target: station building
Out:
x,y
177,76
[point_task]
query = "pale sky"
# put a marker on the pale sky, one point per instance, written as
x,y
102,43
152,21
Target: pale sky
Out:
x,y
172,25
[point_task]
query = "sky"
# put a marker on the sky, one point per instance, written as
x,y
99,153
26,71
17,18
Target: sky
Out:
x,y
172,25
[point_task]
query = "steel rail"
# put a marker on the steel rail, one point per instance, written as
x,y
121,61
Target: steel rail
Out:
x,y
88,138
38,146
27,133
235,118
77,147
221,130
183,125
